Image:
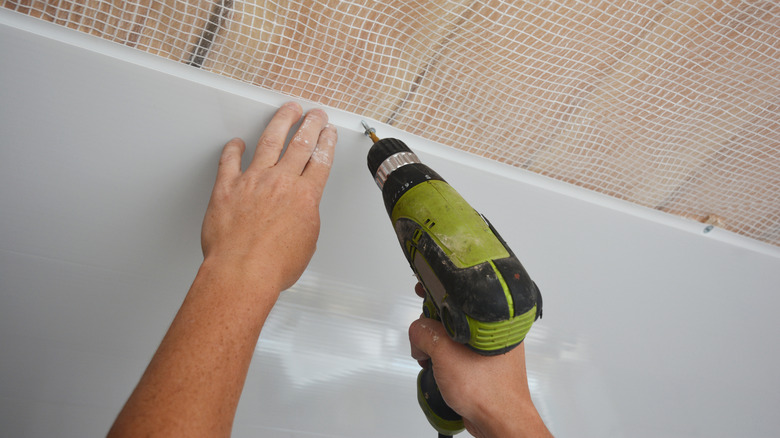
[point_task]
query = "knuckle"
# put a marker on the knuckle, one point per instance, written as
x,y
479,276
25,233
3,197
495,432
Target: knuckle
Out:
x,y
222,194
420,333
228,158
277,184
269,141
299,139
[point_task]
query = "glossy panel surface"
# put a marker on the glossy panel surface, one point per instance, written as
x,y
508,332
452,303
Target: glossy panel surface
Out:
x,y
651,327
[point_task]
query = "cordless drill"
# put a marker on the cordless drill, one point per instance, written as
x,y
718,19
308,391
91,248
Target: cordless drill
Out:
x,y
473,282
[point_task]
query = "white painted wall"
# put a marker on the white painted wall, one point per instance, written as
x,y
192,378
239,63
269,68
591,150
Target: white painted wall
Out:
x,y
652,328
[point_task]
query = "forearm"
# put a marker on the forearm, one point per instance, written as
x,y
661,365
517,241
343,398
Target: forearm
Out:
x,y
510,413
521,421
194,381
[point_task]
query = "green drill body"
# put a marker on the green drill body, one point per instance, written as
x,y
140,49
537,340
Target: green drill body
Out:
x,y
474,284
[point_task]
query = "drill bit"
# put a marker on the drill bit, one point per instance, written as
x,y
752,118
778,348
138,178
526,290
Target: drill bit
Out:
x,y
370,132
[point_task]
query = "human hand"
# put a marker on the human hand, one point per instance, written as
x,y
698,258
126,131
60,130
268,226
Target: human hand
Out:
x,y
258,235
265,221
490,392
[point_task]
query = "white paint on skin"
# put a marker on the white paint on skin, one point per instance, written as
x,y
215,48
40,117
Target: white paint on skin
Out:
x,y
435,337
299,138
321,156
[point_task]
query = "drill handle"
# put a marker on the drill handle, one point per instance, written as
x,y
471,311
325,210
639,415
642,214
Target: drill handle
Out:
x,y
445,420
442,417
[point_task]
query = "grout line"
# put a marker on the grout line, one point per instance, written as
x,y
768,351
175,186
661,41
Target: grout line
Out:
x,y
219,13
434,60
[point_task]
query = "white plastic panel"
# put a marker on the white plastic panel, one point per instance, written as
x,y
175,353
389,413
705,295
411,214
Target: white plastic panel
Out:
x,y
651,327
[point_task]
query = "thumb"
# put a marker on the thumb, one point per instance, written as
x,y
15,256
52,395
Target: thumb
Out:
x,y
426,336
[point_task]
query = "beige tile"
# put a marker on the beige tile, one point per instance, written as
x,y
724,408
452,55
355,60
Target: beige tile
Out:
x,y
168,28
671,104
740,181
510,77
360,58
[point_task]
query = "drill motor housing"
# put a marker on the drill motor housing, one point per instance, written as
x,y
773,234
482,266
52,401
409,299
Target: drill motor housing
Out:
x,y
473,281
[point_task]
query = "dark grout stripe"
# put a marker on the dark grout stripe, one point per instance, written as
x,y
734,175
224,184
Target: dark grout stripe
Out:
x,y
219,13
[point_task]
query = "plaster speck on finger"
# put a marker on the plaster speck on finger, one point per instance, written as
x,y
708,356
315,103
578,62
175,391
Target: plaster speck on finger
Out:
x,y
434,336
299,138
321,156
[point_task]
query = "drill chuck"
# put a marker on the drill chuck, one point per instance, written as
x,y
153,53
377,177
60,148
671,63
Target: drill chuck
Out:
x,y
386,156
396,170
